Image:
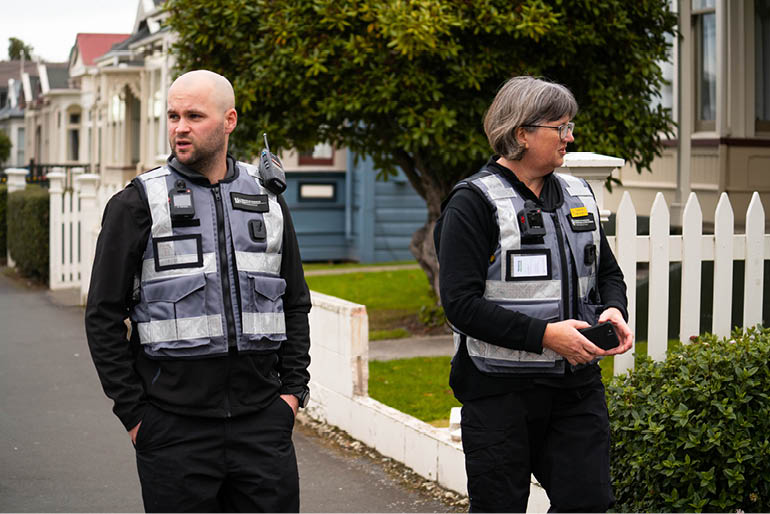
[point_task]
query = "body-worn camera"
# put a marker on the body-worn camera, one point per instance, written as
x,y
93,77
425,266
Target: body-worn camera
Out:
x,y
180,201
531,221
271,171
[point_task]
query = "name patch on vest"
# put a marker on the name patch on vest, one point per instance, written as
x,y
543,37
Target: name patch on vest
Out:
x,y
583,223
251,203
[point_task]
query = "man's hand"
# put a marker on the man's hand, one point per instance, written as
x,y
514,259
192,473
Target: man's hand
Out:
x,y
292,401
563,338
625,336
132,433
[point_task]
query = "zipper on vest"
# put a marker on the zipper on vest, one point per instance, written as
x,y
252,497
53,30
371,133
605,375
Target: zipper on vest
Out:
x,y
565,285
223,271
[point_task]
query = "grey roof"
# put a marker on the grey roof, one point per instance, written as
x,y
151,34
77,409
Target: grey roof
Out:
x,y
8,112
11,69
140,34
58,78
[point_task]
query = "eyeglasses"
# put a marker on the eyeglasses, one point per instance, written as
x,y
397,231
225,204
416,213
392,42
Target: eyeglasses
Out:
x,y
564,130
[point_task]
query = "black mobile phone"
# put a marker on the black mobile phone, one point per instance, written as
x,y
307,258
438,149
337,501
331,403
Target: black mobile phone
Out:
x,y
602,335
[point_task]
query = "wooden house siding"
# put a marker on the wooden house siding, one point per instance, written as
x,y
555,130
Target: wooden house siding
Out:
x,y
367,220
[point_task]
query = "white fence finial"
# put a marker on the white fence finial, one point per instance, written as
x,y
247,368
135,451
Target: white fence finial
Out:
x,y
657,323
754,273
722,309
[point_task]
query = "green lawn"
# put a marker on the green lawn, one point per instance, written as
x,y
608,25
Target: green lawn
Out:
x,y
392,298
420,386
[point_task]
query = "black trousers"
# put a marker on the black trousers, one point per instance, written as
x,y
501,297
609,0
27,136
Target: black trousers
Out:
x,y
561,436
241,464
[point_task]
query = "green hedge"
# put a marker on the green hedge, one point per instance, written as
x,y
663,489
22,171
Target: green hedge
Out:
x,y
3,221
692,433
28,231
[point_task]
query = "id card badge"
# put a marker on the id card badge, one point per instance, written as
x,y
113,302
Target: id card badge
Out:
x,y
528,265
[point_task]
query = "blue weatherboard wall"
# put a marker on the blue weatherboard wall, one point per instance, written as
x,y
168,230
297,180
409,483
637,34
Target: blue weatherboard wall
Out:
x,y
368,220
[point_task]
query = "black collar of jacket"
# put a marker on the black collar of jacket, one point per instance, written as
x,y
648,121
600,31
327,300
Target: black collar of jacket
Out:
x,y
197,178
551,196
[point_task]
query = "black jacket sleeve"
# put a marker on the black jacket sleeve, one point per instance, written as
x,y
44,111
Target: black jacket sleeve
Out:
x,y
465,239
125,229
293,357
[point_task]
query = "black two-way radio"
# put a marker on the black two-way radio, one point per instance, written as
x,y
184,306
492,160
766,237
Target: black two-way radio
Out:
x,y
271,171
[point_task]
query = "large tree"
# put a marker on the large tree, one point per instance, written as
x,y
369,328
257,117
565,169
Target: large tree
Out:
x,y
407,82
17,48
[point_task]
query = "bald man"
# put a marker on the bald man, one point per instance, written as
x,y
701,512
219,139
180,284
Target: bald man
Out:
x,y
203,260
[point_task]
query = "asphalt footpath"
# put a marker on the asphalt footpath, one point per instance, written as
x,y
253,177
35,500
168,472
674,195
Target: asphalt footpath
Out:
x,y
62,449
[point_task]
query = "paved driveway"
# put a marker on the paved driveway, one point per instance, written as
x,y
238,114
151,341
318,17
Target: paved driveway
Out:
x,y
62,450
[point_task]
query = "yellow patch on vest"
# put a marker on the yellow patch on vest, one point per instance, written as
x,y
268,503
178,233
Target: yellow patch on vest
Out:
x,y
578,212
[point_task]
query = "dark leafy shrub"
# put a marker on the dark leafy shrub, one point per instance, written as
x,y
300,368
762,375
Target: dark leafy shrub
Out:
x,y
28,231
691,433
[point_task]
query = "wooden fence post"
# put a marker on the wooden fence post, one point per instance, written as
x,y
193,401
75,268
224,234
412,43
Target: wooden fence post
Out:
x,y
89,226
594,168
692,235
723,267
55,239
657,322
625,245
755,252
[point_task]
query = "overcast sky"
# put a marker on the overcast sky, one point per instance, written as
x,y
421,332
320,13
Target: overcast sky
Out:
x,y
50,26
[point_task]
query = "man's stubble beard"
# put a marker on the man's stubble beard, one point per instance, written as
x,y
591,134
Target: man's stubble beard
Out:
x,y
204,156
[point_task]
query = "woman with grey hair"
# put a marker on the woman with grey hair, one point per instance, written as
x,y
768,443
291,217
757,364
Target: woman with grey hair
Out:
x,y
525,264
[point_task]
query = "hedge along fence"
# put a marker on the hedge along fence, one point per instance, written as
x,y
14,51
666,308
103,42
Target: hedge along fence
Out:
x,y
28,231
692,433
3,221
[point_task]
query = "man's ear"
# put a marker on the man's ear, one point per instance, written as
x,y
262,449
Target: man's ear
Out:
x,y
231,120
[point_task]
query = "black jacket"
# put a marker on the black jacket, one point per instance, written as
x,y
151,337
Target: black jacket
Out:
x,y
465,236
223,386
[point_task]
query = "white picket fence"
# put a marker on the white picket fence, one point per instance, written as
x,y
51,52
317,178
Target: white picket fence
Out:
x,y
75,217
660,248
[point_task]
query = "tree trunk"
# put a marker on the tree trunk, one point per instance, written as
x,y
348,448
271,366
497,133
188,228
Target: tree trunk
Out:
x,y
433,186
422,246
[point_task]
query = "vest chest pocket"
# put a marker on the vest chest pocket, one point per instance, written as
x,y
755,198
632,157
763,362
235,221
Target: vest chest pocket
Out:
x,y
263,308
177,310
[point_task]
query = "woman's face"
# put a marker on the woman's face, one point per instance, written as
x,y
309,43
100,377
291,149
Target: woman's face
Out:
x,y
545,149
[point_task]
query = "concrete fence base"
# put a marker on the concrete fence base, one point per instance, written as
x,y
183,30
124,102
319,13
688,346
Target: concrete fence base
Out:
x,y
339,373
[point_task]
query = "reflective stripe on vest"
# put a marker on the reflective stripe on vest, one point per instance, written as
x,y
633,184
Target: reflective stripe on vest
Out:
x,y
199,327
538,298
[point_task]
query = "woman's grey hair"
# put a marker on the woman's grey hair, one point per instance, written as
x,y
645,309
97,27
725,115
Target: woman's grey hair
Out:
x,y
524,101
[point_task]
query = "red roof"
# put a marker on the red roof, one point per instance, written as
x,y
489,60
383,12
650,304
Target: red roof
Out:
x,y
92,46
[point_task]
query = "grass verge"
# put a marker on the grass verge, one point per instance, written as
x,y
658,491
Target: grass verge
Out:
x,y
420,386
393,298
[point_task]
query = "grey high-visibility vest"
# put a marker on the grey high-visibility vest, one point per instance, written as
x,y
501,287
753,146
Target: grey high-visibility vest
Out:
x,y
213,280
536,279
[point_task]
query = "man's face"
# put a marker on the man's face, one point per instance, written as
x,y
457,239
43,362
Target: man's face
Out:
x,y
197,129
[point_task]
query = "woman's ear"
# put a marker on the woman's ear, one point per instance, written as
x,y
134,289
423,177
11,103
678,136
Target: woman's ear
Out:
x,y
521,136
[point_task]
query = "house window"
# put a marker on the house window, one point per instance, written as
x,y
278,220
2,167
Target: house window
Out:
x,y
74,144
322,153
705,21
762,65
317,192
666,93
75,119
20,146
